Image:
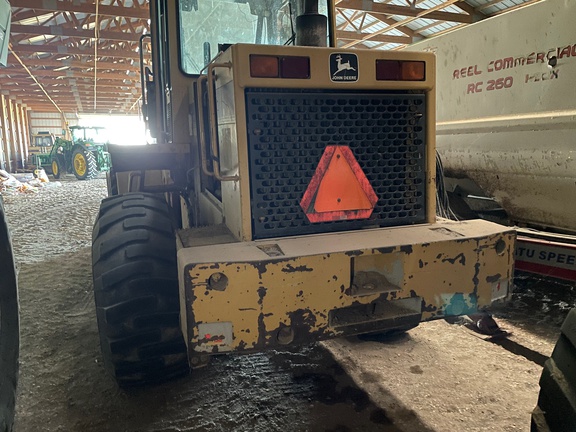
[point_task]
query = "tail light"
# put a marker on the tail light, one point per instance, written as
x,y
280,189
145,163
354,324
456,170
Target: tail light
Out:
x,y
295,67
400,70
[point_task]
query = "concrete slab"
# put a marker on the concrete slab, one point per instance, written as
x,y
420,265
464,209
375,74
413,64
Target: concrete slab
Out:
x,y
449,377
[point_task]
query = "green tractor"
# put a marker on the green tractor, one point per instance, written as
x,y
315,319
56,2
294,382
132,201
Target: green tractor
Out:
x,y
85,156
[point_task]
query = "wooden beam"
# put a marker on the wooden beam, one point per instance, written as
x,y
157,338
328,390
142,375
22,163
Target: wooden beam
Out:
x,y
39,73
25,113
26,97
71,102
84,99
406,30
424,12
16,161
470,10
72,32
6,139
89,51
50,83
380,19
22,147
74,108
74,105
386,9
23,90
348,35
35,62
74,6
100,110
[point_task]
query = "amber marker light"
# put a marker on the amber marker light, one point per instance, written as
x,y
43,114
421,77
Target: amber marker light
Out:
x,y
400,70
264,66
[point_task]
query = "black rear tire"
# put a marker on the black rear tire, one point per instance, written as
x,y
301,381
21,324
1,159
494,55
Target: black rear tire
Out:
x,y
556,409
9,327
136,290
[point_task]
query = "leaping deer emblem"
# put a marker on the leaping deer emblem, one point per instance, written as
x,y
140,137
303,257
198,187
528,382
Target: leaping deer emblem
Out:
x,y
342,66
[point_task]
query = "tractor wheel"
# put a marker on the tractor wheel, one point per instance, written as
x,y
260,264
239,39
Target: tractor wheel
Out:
x,y
58,166
136,290
556,409
84,164
9,327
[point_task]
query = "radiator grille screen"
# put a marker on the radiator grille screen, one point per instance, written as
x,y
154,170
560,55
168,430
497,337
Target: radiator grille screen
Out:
x,y
288,131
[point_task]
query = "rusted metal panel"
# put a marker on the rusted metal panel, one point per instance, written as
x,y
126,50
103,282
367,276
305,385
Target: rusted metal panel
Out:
x,y
270,300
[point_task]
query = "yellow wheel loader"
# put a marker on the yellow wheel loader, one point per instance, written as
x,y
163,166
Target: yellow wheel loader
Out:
x,y
288,196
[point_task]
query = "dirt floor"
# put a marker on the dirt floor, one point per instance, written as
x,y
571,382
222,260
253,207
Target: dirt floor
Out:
x,y
439,377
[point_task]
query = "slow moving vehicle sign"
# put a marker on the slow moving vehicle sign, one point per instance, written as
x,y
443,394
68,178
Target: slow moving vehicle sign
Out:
x,y
339,189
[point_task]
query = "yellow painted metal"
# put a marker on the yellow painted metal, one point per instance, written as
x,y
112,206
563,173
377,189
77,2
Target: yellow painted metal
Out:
x,y
214,123
452,266
231,83
206,169
55,170
320,67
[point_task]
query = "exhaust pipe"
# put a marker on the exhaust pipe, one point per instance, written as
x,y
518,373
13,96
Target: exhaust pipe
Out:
x,y
311,27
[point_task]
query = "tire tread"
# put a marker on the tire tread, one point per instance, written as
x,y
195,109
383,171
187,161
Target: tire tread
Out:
x,y
136,290
556,408
9,327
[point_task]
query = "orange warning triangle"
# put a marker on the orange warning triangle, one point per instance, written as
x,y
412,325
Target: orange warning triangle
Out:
x,y
340,188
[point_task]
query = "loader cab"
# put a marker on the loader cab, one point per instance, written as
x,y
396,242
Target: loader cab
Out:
x,y
258,22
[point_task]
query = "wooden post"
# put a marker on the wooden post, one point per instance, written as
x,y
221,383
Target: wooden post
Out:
x,y
7,162
17,154
12,136
26,131
2,156
65,127
19,135
7,135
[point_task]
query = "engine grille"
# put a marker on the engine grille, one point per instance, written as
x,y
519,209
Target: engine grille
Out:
x,y
288,131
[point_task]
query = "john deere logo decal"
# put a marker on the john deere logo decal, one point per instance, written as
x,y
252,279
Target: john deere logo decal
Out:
x,y
343,67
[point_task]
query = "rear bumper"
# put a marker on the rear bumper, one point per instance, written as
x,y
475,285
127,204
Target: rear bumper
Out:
x,y
253,295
